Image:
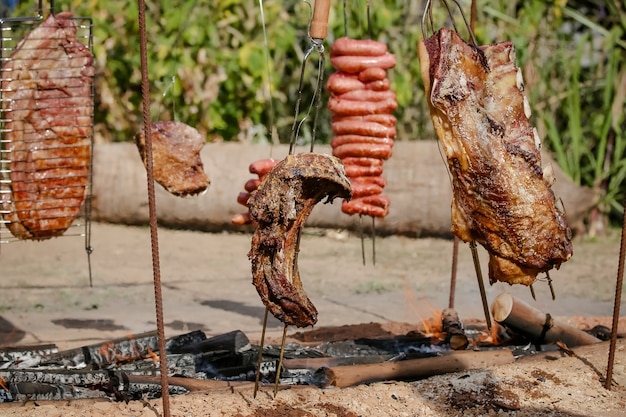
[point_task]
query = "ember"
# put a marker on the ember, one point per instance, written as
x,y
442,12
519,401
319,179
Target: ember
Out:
x,y
127,368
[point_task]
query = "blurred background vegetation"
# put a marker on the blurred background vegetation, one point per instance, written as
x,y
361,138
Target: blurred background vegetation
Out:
x,y
211,67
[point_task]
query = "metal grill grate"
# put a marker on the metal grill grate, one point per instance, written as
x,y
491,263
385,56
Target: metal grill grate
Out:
x,y
46,127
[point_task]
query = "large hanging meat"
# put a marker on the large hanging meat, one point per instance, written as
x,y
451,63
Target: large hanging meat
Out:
x,y
279,207
364,127
48,106
502,198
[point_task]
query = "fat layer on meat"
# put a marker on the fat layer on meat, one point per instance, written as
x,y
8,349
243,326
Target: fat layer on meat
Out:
x,y
280,206
501,198
48,105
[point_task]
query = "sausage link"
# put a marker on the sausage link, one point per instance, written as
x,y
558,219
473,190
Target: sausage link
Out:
x,y
344,139
251,185
378,85
361,150
363,161
378,180
242,198
361,108
342,82
364,189
375,206
372,74
354,64
355,171
367,95
262,167
382,118
353,127
359,47
241,218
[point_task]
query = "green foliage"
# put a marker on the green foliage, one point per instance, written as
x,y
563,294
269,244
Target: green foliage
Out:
x,y
574,61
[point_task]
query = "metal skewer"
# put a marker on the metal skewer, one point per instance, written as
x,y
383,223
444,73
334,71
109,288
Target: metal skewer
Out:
x,y
260,357
481,284
550,285
616,304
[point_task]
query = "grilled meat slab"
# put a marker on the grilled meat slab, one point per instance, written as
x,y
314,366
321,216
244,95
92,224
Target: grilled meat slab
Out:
x,y
501,197
48,107
280,206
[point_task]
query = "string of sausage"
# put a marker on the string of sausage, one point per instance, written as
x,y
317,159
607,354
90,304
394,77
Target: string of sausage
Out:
x,y
259,168
364,127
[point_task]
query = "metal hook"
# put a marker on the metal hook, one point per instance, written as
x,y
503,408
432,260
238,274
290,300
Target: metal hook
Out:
x,y
430,26
318,26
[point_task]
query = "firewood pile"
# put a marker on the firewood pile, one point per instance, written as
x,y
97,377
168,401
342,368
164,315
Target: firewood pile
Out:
x,y
128,368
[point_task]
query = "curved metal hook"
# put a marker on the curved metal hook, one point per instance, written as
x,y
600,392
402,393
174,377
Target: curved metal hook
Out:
x,y
428,27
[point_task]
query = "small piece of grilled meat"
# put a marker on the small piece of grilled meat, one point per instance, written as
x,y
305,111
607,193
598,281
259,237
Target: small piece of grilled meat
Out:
x,y
177,164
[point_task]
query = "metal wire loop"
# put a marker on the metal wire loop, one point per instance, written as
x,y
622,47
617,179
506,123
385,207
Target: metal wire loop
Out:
x,y
428,25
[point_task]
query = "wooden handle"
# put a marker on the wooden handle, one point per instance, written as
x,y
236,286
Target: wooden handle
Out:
x,y
319,24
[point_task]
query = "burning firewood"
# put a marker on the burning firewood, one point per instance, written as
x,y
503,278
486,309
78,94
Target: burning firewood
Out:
x,y
453,328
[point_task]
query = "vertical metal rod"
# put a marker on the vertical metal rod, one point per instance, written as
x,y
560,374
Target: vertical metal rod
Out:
x,y
373,240
616,304
532,292
280,360
552,293
455,263
260,357
369,20
158,297
481,284
362,232
345,18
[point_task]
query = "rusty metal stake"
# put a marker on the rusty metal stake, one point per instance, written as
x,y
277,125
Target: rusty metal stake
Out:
x,y
156,269
481,284
616,304
455,262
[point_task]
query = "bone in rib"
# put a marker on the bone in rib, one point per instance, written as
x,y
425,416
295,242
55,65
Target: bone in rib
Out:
x,y
280,206
502,198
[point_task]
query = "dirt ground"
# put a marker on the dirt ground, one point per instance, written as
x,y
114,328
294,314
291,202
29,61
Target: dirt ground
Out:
x,y
45,297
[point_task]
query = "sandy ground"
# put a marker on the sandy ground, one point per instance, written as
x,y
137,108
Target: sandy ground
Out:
x,y
45,297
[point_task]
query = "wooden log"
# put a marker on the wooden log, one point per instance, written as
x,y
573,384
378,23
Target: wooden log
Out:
x,y
536,325
345,376
453,328
191,384
100,355
414,173
230,342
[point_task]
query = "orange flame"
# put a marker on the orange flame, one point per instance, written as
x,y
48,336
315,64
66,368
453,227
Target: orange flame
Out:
x,y
153,355
432,325
3,385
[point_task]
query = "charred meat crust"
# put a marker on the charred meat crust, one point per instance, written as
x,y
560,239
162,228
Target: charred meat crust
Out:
x,y
280,206
500,197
